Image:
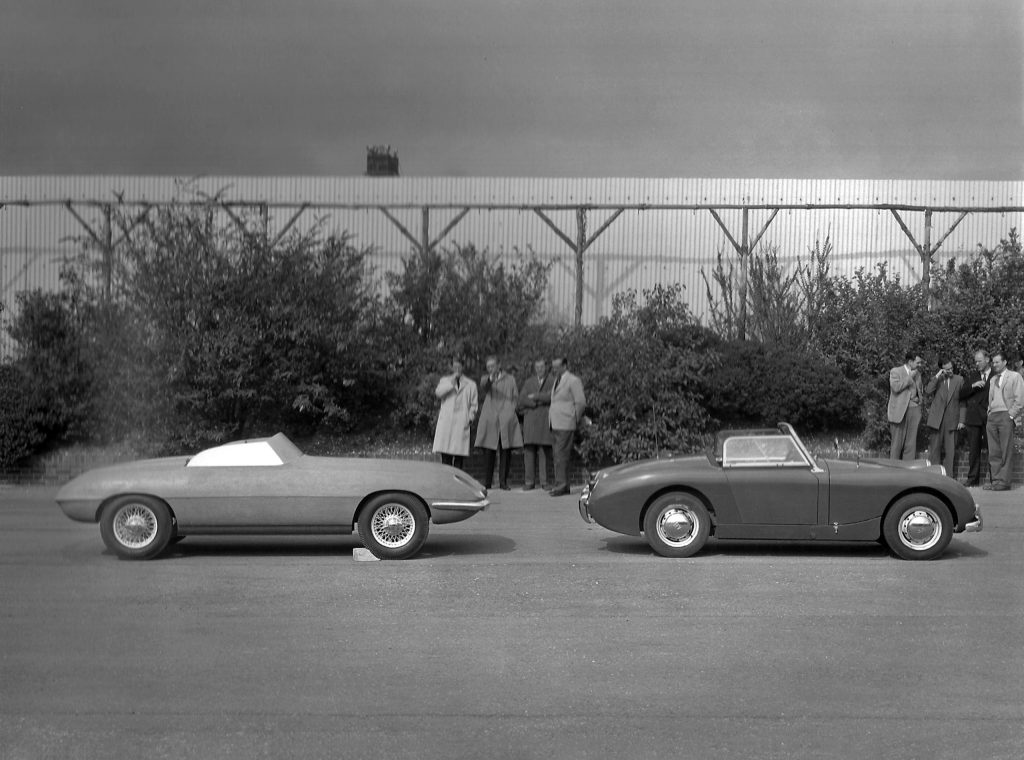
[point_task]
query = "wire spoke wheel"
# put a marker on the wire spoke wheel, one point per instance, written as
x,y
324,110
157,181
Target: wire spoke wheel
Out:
x,y
393,525
135,526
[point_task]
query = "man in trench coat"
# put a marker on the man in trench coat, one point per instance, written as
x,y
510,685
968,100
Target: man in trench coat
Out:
x,y
534,400
498,431
459,402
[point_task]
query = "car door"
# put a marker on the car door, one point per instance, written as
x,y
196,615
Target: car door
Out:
x,y
771,481
283,497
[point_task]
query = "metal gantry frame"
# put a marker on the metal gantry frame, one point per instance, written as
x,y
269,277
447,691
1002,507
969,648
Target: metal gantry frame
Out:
x,y
579,242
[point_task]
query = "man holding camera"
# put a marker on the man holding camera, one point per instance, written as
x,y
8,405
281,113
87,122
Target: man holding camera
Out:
x,y
945,415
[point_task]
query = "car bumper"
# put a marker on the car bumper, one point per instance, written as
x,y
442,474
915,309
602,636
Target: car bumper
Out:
x,y
449,511
975,525
585,505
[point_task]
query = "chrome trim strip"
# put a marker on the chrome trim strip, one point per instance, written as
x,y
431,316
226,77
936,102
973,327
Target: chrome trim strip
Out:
x,y
481,504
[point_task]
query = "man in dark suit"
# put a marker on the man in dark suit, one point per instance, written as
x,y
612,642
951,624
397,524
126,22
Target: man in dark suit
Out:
x,y
534,400
945,415
974,396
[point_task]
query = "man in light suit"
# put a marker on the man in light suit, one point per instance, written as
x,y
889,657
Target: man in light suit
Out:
x,y
945,415
564,414
906,395
1005,407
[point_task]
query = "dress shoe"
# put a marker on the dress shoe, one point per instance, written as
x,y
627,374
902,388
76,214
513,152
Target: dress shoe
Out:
x,y
560,491
505,488
970,483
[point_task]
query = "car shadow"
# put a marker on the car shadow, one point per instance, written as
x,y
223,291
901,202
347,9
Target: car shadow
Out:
x,y
325,546
738,548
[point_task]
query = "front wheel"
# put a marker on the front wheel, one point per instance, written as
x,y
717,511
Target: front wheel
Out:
x,y
918,526
136,527
393,526
677,525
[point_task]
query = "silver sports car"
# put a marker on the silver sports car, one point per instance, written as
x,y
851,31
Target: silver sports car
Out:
x,y
268,486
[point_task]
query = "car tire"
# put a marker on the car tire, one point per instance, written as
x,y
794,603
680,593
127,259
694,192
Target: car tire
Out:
x,y
136,527
918,526
677,525
393,526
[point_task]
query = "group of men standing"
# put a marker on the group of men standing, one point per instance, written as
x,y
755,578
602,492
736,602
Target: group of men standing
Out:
x,y
987,404
551,405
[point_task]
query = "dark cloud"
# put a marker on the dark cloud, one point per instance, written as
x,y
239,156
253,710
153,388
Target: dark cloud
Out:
x,y
730,88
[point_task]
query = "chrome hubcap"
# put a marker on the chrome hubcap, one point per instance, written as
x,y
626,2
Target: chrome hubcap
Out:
x,y
677,526
920,528
135,526
392,525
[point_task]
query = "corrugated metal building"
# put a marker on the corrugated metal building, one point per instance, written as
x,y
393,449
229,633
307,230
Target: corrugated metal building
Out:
x,y
641,247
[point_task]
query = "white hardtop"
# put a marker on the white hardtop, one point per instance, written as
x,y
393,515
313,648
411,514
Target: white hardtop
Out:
x,y
258,452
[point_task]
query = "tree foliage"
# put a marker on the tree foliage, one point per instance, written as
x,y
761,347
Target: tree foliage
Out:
x,y
645,370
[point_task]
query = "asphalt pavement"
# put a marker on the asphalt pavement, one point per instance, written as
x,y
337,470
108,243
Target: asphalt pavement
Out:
x,y
521,633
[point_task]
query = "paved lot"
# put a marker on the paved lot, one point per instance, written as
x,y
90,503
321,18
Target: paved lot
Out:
x,y
522,633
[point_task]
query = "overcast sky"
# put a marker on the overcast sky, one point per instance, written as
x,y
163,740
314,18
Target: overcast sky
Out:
x,y
929,89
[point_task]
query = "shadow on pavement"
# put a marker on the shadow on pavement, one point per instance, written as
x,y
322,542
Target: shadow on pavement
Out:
x,y
869,550
307,546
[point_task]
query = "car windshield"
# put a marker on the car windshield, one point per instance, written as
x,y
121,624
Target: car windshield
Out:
x,y
761,448
259,452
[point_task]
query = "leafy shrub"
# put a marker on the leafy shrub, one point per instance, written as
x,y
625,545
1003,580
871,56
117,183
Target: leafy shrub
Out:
x,y
52,349
22,428
980,303
211,332
644,371
758,385
459,301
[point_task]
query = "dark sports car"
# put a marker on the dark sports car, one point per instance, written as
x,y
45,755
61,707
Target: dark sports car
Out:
x,y
764,484
269,486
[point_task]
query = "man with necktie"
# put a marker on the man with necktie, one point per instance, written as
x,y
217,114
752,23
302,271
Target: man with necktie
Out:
x,y
945,415
974,397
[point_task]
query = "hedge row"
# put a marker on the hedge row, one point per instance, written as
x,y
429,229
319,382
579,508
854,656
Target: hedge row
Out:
x,y
204,333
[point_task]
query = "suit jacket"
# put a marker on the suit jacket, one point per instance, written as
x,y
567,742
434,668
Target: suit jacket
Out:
x,y
945,412
567,403
975,400
536,427
900,389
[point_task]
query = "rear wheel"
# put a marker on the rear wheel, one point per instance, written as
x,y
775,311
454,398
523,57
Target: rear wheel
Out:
x,y
918,526
393,526
136,527
677,525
